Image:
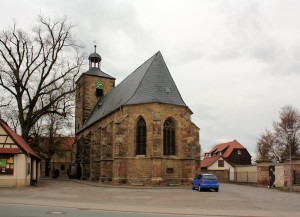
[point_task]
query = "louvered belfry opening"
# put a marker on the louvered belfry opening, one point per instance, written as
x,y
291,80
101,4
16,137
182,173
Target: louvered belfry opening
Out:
x,y
141,137
169,137
99,93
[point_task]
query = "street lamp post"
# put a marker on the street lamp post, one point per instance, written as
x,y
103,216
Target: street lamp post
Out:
x,y
290,132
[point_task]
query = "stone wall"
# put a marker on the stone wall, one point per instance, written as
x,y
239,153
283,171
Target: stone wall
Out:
x,y
295,167
85,152
113,146
263,173
86,98
95,156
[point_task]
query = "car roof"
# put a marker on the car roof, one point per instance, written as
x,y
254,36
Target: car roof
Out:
x,y
207,174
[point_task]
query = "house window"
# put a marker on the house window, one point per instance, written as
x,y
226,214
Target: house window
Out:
x,y
239,152
6,164
169,137
141,137
220,163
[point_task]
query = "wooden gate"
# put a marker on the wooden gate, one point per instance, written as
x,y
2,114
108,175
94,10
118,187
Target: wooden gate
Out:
x,y
223,175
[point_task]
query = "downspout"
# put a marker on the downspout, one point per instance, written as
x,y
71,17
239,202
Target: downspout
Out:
x,y
26,170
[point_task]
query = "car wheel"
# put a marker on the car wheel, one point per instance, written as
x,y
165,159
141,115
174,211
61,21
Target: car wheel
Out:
x,y
193,187
199,188
216,190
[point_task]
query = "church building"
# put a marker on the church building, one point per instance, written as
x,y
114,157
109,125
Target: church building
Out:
x,y
138,132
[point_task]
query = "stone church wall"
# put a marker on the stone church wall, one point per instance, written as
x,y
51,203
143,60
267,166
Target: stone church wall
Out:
x,y
86,98
95,155
113,147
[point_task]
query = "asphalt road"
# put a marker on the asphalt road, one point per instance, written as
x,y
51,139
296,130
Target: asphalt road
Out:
x,y
91,199
37,211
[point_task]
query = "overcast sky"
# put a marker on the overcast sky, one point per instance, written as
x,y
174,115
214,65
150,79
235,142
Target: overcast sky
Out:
x,y
235,63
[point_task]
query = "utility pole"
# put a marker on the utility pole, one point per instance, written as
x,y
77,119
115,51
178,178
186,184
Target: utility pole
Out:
x,y
290,132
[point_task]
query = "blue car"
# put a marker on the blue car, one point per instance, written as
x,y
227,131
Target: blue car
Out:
x,y
206,181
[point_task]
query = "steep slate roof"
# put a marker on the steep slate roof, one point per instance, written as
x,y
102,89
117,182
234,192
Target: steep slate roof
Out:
x,y
151,82
19,141
229,146
97,72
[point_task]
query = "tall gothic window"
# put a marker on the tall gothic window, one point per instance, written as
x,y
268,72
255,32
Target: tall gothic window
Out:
x,y
169,137
141,137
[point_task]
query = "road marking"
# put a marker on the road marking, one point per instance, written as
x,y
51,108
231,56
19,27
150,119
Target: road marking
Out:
x,y
56,212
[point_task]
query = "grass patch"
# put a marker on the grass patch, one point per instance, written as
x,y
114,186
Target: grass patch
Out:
x,y
278,188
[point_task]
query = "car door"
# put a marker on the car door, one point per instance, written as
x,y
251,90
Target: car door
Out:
x,y
198,180
195,182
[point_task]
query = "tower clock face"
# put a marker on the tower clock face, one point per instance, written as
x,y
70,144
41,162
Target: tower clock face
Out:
x,y
99,85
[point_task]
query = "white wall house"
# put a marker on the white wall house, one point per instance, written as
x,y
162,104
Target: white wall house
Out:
x,y
19,165
218,163
226,156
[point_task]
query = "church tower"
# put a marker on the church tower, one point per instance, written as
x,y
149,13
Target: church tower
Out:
x,y
90,87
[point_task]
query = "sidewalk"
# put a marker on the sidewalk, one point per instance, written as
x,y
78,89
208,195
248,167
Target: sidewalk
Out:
x,y
108,185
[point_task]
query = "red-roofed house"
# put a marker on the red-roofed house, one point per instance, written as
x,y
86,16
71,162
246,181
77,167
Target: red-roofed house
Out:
x,y
62,160
19,165
225,156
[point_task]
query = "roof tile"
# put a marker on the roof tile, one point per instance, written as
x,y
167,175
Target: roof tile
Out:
x,y
229,146
208,161
23,145
9,151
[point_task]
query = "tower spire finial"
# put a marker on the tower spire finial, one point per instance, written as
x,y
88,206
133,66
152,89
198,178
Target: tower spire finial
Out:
x,y
94,58
95,42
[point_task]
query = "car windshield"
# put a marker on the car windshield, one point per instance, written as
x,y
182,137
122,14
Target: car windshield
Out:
x,y
209,177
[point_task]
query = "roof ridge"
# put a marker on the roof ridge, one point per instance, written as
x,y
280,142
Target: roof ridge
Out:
x,y
155,55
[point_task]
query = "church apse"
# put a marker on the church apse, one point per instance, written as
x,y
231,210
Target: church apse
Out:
x,y
140,134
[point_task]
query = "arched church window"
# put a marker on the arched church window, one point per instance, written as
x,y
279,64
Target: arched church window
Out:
x,y
169,137
141,137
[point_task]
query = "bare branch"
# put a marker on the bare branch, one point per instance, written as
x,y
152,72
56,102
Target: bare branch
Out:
x,y
38,69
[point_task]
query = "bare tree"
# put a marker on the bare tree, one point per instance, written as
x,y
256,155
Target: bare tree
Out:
x,y
275,145
38,70
289,119
48,138
265,146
